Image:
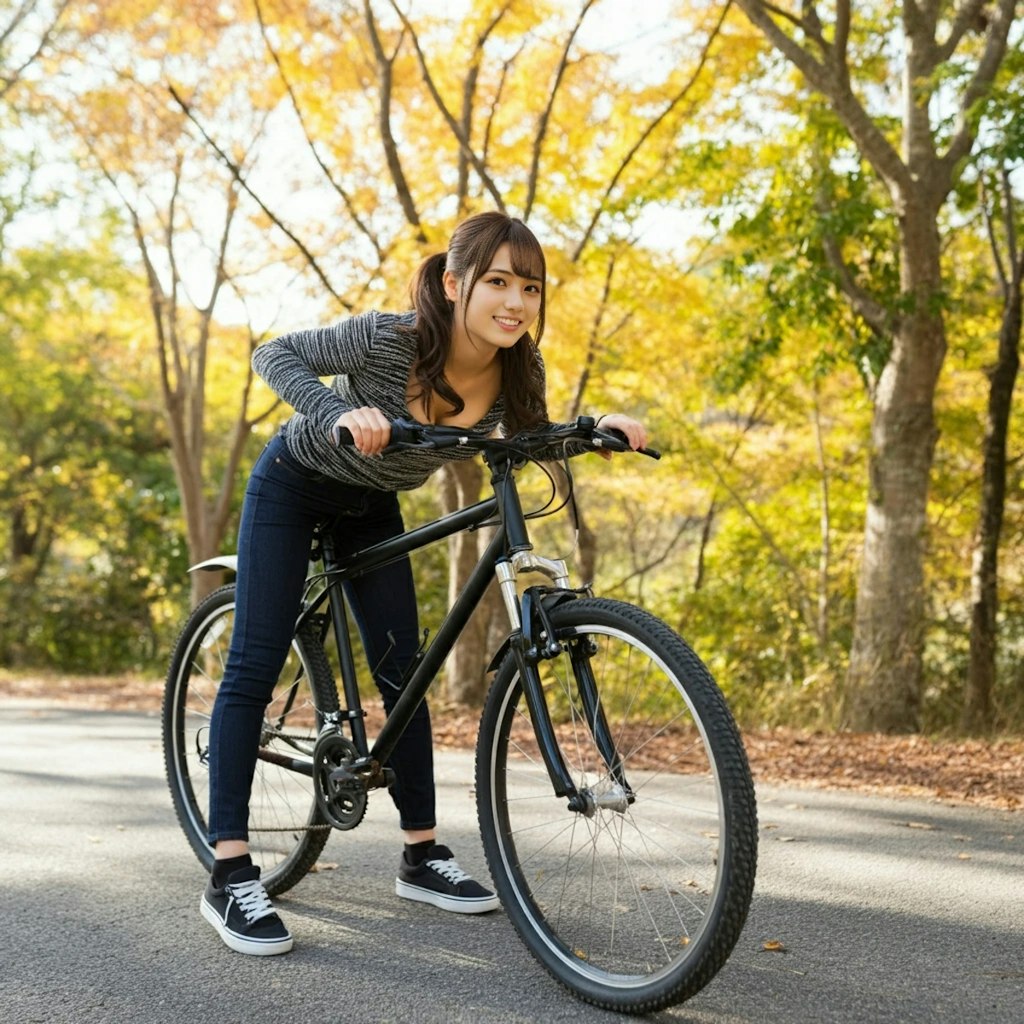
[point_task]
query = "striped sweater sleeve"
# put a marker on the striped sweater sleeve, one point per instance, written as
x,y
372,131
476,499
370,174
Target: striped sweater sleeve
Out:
x,y
293,365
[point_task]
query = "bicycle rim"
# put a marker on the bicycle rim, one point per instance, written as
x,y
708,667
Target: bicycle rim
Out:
x,y
286,831
636,903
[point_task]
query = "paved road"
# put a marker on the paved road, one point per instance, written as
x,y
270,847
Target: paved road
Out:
x,y
889,911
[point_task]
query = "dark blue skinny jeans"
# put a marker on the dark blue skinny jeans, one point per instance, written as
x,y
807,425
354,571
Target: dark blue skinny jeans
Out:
x,y
284,501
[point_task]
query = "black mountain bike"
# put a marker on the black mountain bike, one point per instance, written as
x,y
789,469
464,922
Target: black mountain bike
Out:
x,y
615,802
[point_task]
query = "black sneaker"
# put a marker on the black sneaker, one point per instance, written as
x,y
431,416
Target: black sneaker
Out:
x,y
244,916
440,881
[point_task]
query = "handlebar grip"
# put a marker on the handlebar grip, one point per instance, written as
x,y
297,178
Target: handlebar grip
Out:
x,y
621,437
402,432
341,436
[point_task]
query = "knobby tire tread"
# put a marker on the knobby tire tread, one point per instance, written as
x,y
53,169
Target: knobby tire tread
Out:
x,y
738,796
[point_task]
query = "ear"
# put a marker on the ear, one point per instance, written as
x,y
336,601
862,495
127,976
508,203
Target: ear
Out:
x,y
451,286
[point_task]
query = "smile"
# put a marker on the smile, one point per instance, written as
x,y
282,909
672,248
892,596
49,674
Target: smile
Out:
x,y
507,322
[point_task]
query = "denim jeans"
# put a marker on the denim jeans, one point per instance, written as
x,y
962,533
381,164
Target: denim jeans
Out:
x,y
284,501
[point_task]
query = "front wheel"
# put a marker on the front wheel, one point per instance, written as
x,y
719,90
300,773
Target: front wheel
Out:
x,y
635,899
286,829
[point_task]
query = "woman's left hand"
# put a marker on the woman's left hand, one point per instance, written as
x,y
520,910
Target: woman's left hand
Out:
x,y
635,432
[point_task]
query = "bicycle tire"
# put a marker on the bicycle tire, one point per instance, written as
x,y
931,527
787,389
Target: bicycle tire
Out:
x,y
633,907
287,832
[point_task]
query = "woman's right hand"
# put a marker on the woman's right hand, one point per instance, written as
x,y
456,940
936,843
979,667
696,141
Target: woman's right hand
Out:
x,y
370,429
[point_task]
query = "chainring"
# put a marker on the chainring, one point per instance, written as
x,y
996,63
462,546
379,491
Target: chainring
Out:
x,y
342,800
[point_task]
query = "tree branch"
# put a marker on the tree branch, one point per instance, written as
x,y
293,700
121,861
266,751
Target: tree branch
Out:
x,y
545,117
237,175
966,18
453,125
873,312
803,597
842,35
654,560
313,148
990,231
8,81
831,79
591,353
647,132
468,99
385,69
1000,21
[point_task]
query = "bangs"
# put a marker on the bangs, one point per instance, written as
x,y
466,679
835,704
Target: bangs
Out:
x,y
527,255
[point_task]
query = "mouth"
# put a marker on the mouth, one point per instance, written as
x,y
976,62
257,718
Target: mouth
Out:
x,y
508,323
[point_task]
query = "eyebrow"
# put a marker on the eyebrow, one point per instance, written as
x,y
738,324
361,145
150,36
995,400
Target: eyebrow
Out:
x,y
509,273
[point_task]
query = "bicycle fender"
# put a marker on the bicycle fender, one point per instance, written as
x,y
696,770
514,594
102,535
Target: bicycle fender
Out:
x,y
550,599
499,654
214,564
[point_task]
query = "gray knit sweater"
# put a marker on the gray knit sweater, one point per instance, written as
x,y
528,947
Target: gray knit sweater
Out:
x,y
370,358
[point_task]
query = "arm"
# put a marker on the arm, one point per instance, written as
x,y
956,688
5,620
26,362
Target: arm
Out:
x,y
293,365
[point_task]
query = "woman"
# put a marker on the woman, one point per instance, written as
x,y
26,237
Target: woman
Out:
x,y
464,356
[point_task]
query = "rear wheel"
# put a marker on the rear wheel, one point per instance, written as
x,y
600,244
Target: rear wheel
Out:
x,y
635,900
286,830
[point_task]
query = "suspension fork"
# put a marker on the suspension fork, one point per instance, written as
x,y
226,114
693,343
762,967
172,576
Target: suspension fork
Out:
x,y
533,640
529,677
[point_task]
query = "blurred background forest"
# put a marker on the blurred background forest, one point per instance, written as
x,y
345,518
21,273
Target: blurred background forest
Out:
x,y
787,236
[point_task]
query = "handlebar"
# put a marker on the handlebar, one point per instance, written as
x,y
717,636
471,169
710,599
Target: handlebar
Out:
x,y
408,434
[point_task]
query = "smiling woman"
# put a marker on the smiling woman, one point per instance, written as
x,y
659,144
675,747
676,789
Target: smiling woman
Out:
x,y
480,318
467,354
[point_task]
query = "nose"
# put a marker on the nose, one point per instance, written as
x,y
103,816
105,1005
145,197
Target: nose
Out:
x,y
514,298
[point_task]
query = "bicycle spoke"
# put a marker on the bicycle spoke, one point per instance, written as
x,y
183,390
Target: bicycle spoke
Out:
x,y
627,892
286,832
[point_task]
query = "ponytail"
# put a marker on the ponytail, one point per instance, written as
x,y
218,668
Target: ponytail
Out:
x,y
435,320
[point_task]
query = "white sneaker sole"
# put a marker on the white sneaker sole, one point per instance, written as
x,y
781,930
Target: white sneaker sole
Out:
x,y
457,905
241,944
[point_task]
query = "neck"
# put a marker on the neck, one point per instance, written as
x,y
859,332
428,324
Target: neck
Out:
x,y
466,359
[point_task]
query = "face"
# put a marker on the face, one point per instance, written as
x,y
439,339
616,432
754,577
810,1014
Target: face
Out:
x,y
502,307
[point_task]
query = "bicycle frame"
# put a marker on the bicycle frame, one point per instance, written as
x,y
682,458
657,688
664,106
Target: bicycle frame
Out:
x,y
508,553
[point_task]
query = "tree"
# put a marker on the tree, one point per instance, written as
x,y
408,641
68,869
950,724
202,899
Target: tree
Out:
x,y
944,58
78,451
26,31
193,236
1003,213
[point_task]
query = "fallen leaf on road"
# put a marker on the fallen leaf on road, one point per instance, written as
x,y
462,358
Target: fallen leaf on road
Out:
x,y
773,946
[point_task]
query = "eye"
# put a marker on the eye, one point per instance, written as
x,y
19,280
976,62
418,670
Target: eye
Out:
x,y
496,280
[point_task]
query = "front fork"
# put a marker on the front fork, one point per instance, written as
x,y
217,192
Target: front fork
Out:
x,y
532,641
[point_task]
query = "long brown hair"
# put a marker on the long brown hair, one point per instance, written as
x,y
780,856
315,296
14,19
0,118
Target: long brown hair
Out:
x,y
470,251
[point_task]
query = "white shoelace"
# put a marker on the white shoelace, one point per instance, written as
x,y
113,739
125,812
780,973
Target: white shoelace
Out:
x,y
252,899
449,869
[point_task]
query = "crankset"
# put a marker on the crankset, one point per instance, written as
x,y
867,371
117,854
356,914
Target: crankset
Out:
x,y
340,792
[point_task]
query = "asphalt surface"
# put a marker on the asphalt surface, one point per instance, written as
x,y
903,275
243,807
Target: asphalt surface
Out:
x,y
886,910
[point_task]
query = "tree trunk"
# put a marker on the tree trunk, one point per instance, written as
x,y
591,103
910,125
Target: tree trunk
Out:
x,y
465,676
884,680
981,674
